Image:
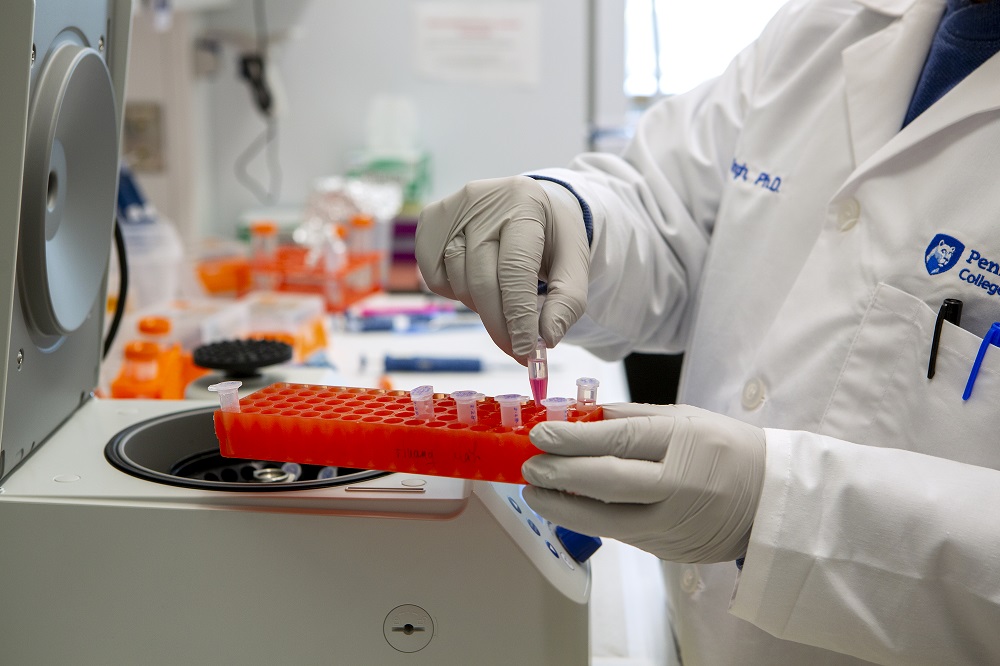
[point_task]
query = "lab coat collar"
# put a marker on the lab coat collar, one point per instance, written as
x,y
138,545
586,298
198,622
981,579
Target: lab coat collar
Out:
x,y
881,72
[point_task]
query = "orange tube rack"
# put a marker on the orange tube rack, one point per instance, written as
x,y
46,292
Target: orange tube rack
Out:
x,y
376,429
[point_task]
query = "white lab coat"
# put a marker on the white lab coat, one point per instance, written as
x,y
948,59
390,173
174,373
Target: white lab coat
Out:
x,y
778,226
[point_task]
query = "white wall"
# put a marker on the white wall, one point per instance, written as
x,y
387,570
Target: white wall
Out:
x,y
160,71
337,56
344,52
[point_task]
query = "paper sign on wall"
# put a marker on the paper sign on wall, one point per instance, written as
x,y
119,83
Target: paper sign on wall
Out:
x,y
479,42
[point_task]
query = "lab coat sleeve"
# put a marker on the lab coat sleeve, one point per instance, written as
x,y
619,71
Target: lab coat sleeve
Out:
x,y
654,209
884,554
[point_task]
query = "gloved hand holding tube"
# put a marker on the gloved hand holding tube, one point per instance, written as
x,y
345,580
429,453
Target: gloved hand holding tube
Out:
x,y
676,481
490,243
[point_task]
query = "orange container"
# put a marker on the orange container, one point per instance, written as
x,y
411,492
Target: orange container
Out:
x,y
225,276
139,377
376,429
357,278
155,367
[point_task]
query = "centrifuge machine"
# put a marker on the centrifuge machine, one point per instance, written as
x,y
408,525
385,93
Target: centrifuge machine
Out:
x,y
124,537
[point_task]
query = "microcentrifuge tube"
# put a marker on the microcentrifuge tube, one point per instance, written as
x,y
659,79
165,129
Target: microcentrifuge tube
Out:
x,y
538,372
586,394
423,402
465,403
510,409
556,408
229,395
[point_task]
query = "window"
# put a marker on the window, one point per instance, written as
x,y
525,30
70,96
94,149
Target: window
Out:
x,y
671,45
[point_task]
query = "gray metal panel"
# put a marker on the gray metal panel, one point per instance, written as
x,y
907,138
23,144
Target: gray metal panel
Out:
x,y
48,370
15,67
120,583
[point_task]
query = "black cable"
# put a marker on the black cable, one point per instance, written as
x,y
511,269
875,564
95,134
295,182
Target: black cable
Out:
x,y
266,139
116,320
253,69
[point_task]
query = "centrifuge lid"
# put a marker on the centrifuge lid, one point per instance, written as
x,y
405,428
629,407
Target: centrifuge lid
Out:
x,y
62,72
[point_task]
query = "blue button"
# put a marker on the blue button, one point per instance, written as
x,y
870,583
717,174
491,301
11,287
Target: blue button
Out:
x,y
552,549
514,504
579,546
534,528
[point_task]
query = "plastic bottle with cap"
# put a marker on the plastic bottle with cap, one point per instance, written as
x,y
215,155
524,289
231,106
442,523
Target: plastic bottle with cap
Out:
x,y
264,255
334,248
170,357
360,239
138,377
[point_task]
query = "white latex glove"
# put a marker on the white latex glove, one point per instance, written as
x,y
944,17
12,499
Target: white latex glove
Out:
x,y
488,244
679,482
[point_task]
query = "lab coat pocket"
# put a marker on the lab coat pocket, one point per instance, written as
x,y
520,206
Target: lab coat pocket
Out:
x,y
883,397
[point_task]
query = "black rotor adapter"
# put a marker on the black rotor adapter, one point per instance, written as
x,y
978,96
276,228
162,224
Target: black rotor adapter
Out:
x,y
240,359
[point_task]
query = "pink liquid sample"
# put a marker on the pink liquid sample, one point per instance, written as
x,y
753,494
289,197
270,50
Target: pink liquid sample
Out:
x,y
538,372
539,388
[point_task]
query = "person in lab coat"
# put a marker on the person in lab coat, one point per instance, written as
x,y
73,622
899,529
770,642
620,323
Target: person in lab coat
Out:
x,y
793,226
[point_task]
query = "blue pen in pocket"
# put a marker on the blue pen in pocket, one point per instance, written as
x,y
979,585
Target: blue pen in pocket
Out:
x,y
992,338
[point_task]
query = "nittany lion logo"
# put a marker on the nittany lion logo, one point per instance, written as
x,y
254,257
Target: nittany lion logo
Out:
x,y
943,253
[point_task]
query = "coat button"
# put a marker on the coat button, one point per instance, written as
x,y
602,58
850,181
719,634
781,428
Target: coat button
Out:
x,y
848,215
753,394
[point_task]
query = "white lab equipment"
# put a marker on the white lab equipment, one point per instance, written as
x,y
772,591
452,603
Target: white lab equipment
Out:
x,y
155,257
120,514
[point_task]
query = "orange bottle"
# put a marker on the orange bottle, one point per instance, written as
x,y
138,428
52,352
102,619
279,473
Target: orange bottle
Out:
x,y
139,374
264,266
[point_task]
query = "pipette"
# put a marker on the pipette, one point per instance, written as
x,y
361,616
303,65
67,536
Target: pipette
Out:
x,y
538,372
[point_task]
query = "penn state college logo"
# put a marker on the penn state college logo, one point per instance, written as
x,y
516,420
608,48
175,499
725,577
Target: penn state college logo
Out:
x,y
942,254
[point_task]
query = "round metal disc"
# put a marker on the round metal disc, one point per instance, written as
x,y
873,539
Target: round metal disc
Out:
x,y
70,180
